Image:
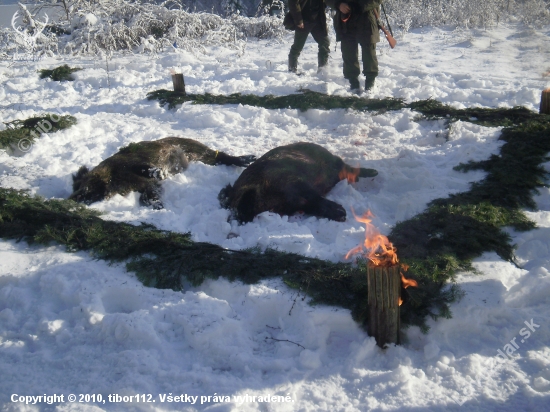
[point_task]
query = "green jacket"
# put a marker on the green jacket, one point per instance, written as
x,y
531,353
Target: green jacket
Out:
x,y
362,21
296,8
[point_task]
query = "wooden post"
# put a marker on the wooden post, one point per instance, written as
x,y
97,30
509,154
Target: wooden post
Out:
x,y
384,290
179,84
545,102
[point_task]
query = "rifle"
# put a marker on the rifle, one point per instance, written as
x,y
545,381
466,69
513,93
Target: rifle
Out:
x,y
386,16
389,37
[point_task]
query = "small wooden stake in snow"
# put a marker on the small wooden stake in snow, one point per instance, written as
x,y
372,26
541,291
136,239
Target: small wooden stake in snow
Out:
x,y
384,290
179,84
545,102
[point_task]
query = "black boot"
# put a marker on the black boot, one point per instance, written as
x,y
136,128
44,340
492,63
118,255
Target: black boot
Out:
x,y
322,61
354,86
369,82
292,64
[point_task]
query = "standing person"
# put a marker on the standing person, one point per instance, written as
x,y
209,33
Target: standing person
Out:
x,y
309,17
355,24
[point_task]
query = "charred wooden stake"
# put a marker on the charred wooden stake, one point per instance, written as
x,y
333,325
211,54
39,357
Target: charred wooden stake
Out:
x,y
179,84
545,102
384,289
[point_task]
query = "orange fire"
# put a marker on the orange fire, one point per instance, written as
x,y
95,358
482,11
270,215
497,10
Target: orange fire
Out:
x,y
349,173
378,249
408,282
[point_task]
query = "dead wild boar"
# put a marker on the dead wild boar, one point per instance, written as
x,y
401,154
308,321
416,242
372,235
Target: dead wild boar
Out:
x,y
289,179
141,166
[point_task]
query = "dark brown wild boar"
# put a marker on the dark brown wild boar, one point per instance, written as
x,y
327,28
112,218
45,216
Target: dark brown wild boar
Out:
x,y
289,179
140,166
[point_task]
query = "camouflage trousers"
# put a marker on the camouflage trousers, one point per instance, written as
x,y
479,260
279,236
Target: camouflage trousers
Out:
x,y
350,55
320,35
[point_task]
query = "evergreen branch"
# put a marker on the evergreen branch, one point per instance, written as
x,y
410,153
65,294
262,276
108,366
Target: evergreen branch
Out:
x,y
164,259
447,236
304,100
59,74
18,131
307,99
437,243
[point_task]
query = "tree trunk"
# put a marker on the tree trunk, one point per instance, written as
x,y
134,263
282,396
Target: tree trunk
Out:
x,y
545,102
179,84
66,10
384,290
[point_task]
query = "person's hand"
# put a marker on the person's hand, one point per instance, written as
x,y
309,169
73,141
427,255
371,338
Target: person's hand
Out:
x,y
300,26
344,8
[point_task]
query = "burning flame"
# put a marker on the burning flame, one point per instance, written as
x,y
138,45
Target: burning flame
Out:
x,y
408,282
378,249
349,173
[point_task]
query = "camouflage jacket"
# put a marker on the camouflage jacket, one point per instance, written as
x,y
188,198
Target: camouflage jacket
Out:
x,y
361,22
297,6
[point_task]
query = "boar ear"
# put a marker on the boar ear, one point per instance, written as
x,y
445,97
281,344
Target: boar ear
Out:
x,y
78,177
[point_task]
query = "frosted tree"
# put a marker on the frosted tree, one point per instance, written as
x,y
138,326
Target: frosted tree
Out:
x,y
231,7
271,7
466,13
67,6
102,27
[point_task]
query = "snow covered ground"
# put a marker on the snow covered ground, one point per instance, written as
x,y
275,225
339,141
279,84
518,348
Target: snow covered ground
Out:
x,y
73,325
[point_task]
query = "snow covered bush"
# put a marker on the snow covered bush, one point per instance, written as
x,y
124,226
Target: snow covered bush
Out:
x,y
103,27
534,12
466,13
231,7
263,27
7,43
98,28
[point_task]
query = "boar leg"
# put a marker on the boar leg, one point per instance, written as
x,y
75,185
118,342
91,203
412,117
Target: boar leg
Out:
x,y
301,196
225,159
151,196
